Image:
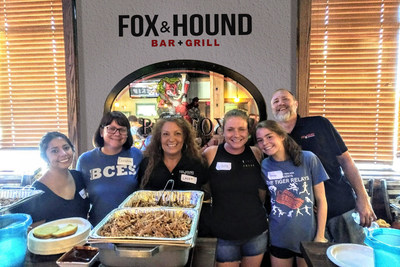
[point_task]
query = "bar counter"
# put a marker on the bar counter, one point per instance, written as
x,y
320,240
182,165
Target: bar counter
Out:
x,y
315,254
202,255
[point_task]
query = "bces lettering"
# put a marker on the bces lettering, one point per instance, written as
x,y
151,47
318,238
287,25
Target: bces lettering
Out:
x,y
111,171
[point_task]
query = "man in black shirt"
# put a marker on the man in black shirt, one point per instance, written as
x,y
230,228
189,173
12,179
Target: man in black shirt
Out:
x,y
318,135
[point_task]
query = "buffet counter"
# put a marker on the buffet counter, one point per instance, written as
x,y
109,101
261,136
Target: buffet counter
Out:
x,y
150,228
202,255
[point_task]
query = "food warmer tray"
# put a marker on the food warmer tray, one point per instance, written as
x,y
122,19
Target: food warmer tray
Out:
x,y
142,255
188,240
145,251
183,199
12,197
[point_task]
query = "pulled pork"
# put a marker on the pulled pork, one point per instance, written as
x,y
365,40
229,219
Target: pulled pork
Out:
x,y
162,224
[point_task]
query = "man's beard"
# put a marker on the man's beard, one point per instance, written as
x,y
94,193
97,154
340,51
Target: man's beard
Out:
x,y
282,116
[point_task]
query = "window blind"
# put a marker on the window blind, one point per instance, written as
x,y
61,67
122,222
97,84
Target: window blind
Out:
x,y
32,72
353,56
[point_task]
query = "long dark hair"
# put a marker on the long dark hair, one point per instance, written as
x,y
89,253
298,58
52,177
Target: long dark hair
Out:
x,y
154,152
107,119
46,139
291,147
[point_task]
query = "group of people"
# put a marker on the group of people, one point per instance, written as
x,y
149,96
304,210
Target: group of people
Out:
x,y
300,165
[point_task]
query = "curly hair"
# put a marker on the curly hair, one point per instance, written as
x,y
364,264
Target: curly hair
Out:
x,y
154,151
291,147
107,119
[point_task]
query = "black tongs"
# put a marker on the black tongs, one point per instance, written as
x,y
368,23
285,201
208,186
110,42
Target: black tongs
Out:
x,y
161,196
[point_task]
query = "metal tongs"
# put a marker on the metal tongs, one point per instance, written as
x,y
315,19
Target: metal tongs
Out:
x,y
170,195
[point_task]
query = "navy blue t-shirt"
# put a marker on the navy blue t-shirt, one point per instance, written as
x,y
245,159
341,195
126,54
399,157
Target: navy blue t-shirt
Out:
x,y
49,206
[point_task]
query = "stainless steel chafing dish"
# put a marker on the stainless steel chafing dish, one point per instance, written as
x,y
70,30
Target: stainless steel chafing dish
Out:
x,y
184,199
145,251
12,197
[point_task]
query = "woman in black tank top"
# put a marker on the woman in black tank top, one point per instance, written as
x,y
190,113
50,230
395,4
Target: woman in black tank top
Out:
x,y
238,193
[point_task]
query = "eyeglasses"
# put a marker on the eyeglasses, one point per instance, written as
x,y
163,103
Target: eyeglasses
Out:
x,y
113,130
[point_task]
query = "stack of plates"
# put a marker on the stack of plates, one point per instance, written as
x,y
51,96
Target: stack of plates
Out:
x,y
60,245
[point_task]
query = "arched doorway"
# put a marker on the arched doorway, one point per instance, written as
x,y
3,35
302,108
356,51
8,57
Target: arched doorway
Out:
x,y
169,86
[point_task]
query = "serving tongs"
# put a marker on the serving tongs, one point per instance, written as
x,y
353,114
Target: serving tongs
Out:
x,y
170,195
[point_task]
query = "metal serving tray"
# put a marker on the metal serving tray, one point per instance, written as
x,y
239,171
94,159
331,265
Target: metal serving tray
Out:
x,y
182,199
12,197
188,240
142,255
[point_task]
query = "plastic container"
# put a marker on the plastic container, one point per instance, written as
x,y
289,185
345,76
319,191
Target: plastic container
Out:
x,y
386,245
13,236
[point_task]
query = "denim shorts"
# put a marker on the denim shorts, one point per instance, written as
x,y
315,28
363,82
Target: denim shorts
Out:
x,y
234,250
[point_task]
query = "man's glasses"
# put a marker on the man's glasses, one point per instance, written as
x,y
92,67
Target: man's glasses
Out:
x,y
113,130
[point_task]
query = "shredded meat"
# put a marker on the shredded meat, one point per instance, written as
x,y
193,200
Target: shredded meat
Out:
x,y
153,203
147,224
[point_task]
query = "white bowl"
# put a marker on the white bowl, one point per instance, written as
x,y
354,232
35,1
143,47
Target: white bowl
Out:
x,y
60,245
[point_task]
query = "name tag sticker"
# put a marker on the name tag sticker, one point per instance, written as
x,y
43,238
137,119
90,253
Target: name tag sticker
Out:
x,y
188,179
223,166
275,175
82,193
125,161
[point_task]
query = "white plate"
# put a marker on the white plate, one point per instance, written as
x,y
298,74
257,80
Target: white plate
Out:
x,y
349,255
60,245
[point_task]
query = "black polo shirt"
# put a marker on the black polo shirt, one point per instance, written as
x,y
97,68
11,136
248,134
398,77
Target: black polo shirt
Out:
x,y
317,134
189,174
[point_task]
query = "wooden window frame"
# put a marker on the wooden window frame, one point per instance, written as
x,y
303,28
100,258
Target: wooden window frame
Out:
x,y
71,69
303,46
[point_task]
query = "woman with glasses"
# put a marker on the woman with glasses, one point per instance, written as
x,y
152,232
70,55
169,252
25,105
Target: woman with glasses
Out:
x,y
110,170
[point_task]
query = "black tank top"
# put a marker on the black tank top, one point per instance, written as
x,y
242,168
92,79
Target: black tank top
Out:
x,y
238,212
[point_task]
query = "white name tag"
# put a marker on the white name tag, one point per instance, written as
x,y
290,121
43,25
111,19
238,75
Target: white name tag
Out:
x,y
223,166
188,179
275,175
125,161
82,193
